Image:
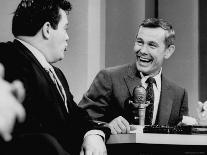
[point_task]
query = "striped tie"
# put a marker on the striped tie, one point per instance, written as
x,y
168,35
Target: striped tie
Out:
x,y
58,85
150,98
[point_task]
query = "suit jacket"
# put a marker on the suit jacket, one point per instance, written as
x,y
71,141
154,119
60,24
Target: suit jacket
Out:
x,y
45,109
107,97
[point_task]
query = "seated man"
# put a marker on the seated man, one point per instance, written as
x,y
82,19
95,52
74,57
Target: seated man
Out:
x,y
54,122
107,98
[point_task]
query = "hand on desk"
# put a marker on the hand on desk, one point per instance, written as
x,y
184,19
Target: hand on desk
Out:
x,y
93,144
11,95
119,125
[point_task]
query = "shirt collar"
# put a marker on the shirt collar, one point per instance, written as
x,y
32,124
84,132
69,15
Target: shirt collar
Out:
x,y
156,77
37,54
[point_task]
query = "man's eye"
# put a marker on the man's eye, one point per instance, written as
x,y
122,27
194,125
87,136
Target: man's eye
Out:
x,y
152,45
139,42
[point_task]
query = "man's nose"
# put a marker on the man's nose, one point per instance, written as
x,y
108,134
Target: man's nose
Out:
x,y
144,49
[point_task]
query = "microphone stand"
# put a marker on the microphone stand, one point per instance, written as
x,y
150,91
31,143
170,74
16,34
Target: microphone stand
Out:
x,y
139,110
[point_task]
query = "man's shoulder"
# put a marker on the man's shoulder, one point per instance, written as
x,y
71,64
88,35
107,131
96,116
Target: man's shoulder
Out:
x,y
117,72
118,69
8,44
8,51
10,48
172,84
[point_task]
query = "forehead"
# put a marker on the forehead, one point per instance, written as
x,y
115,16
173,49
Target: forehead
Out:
x,y
64,17
151,34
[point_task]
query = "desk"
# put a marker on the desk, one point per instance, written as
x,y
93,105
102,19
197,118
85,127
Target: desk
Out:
x,y
148,143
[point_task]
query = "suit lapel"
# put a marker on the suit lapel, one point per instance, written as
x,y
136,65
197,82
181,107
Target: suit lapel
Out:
x,y
132,78
26,52
165,105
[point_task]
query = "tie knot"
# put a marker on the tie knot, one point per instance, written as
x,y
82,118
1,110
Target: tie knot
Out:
x,y
151,80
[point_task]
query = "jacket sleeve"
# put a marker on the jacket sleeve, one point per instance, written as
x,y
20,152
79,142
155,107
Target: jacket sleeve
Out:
x,y
98,98
184,111
79,120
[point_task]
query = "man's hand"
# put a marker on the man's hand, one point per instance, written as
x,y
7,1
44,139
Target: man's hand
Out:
x,y
119,125
11,94
93,145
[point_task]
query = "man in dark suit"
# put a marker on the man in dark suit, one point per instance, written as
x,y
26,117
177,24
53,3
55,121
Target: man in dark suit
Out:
x,y
54,123
107,98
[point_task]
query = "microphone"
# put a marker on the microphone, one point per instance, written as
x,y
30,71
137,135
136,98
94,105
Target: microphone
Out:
x,y
139,105
139,95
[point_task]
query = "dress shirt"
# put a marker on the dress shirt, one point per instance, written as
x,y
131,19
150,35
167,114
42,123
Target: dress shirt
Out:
x,y
157,91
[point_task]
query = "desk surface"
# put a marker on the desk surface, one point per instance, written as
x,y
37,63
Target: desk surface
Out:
x,y
152,138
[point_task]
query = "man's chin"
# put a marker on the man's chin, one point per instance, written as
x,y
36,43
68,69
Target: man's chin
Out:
x,y
143,69
58,59
62,56
147,71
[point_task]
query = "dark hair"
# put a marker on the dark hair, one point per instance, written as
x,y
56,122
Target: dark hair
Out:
x,y
156,23
31,15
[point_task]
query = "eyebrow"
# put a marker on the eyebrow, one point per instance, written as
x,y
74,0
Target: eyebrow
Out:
x,y
138,38
154,43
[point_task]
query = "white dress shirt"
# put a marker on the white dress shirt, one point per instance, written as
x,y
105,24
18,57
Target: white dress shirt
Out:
x,y
157,91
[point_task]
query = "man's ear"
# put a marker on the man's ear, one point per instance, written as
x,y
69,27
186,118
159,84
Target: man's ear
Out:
x,y
46,30
169,51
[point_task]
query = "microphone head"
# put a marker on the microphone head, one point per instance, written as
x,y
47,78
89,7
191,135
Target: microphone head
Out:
x,y
139,95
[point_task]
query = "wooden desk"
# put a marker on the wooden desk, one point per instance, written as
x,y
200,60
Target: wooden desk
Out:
x,y
150,138
147,143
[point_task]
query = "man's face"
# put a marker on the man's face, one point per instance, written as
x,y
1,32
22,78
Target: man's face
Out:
x,y
59,38
150,50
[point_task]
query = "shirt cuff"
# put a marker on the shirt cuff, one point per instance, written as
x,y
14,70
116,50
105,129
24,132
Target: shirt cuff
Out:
x,y
95,132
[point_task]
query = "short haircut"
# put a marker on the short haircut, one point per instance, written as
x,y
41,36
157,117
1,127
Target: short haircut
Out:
x,y
160,23
31,15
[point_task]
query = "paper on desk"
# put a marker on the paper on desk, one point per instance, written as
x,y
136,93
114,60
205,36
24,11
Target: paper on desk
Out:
x,y
187,120
136,128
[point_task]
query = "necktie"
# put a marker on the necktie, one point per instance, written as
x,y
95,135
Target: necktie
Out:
x,y
150,98
58,85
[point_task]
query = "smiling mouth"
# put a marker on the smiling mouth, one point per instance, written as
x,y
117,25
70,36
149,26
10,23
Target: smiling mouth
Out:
x,y
144,60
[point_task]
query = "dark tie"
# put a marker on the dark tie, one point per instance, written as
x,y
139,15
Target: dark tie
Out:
x,y
150,98
58,85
